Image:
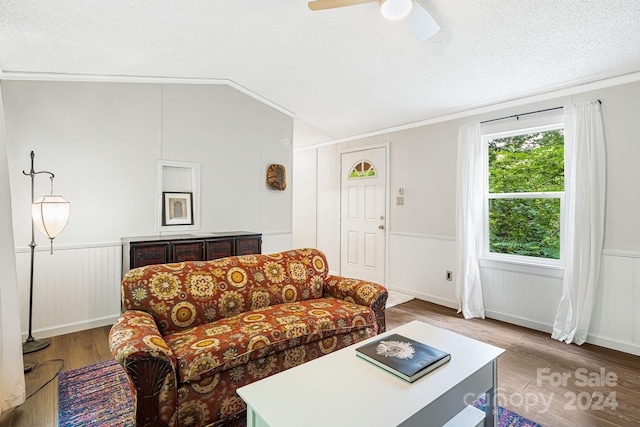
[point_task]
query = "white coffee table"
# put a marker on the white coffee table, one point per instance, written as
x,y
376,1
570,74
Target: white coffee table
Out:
x,y
340,389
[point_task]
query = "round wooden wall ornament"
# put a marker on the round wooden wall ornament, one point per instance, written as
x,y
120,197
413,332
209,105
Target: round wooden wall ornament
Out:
x,y
276,177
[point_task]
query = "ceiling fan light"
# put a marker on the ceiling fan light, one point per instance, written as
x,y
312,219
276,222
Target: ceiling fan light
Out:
x,y
395,9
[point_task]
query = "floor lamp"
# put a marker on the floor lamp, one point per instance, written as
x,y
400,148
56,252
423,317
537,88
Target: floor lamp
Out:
x,y
50,214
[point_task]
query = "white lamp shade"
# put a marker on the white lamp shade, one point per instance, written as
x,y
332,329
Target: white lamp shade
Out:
x,y
50,214
395,9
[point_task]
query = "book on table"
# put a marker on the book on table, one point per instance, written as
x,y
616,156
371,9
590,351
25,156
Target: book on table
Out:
x,y
403,357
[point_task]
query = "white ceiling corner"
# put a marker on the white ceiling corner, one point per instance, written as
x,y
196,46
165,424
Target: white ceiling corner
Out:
x,y
341,72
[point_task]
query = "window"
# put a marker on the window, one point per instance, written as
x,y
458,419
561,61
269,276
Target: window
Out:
x,y
524,192
362,169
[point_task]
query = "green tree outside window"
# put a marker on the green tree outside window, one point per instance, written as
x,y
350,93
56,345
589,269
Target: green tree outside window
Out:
x,y
522,220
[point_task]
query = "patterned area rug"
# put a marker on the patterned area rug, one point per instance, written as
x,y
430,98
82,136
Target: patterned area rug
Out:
x,y
506,418
96,395
99,395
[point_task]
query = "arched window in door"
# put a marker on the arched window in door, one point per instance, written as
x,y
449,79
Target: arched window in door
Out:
x,y
362,169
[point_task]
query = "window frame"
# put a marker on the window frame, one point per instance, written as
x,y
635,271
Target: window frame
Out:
x,y
519,263
362,176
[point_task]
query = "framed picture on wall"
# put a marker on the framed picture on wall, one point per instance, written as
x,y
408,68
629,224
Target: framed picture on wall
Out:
x,y
177,208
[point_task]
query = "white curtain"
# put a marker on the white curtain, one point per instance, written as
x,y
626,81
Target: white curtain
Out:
x,y
583,228
469,207
12,389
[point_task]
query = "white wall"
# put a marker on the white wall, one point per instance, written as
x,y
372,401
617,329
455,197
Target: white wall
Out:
x,y
304,222
102,141
328,200
422,231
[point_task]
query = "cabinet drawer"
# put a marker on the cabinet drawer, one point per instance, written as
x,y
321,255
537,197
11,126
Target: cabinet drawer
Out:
x,y
219,248
187,251
248,245
148,254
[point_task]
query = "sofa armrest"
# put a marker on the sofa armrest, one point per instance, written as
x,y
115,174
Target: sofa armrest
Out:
x,y
136,344
360,292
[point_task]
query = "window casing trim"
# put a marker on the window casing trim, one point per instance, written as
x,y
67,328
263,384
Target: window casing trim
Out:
x,y
523,265
519,263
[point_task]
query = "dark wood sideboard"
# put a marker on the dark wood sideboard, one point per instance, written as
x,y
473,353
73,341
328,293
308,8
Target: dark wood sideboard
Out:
x,y
146,250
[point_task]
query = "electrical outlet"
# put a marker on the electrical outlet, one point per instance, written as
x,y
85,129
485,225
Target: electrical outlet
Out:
x,y
449,276
400,200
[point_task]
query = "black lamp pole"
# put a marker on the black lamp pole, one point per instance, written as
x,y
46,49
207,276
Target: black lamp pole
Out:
x,y
31,344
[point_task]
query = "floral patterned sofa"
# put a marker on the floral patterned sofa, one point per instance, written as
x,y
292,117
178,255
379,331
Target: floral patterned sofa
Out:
x,y
194,332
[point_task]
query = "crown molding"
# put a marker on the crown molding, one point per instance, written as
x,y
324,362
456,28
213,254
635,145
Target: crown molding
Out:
x,y
103,78
499,105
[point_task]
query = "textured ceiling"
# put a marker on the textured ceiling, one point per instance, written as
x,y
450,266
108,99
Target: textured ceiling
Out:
x,y
341,72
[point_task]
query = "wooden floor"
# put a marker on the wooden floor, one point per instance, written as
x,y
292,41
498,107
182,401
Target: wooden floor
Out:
x,y
76,350
530,379
531,371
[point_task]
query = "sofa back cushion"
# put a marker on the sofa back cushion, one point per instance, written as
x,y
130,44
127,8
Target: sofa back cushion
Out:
x,y
184,295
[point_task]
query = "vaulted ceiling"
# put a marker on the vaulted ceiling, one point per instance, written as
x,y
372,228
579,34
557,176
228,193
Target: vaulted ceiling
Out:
x,y
340,72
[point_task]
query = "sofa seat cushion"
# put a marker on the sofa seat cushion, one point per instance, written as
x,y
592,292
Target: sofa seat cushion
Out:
x,y
226,343
215,397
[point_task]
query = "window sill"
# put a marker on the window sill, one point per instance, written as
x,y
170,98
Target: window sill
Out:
x,y
552,269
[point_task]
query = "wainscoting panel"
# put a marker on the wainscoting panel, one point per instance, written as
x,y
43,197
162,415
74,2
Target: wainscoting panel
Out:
x,y
616,318
278,241
418,266
531,301
78,287
74,289
524,299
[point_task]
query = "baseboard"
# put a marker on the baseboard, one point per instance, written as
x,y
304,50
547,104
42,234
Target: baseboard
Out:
x,y
613,344
519,321
625,347
426,297
508,318
73,327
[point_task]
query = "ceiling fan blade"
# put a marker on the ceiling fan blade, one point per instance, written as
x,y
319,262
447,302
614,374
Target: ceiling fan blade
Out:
x,y
421,22
330,4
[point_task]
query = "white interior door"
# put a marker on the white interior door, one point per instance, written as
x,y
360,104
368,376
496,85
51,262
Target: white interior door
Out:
x,y
363,215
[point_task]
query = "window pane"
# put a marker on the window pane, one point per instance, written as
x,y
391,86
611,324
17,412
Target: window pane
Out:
x,y
529,227
527,163
362,169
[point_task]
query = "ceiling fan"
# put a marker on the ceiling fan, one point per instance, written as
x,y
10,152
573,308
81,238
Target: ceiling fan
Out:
x,y
419,20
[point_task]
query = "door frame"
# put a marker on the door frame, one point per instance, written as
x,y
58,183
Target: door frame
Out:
x,y
387,177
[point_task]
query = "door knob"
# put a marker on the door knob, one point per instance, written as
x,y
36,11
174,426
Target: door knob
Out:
x,y
381,227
